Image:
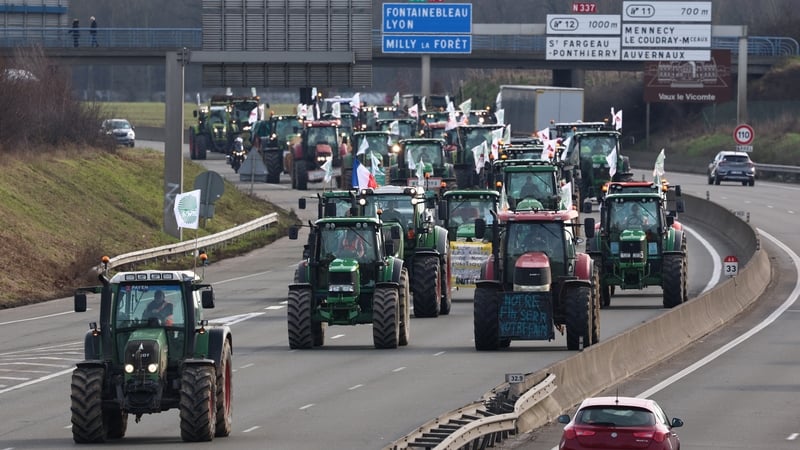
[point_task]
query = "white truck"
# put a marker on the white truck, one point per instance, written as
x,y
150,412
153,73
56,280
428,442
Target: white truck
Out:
x,y
532,108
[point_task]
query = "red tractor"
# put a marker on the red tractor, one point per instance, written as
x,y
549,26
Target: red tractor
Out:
x,y
535,282
319,142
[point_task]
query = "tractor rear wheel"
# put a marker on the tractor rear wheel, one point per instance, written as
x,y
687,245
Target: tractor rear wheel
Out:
x,y
224,393
444,282
426,286
405,308
385,320
319,333
273,159
486,319
86,396
298,313
673,280
202,143
578,312
198,409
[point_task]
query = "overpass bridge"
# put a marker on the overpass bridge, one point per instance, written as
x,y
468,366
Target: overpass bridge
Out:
x,y
519,46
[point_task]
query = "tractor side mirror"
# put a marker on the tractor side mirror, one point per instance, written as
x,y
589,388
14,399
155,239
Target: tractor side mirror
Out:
x,y
330,210
680,206
80,302
207,298
480,228
678,190
194,113
443,210
588,227
670,221
586,207
301,203
293,232
395,233
389,247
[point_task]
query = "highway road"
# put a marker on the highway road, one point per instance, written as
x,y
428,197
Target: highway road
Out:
x,y
737,387
345,395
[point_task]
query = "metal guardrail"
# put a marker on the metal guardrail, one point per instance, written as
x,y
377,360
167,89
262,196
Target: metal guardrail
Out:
x,y
777,168
184,247
480,424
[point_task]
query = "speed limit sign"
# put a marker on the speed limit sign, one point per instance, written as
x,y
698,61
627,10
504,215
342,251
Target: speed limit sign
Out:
x,y
731,266
743,134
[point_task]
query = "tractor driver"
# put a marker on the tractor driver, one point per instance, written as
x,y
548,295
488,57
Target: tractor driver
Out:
x,y
391,214
352,245
159,308
530,189
636,218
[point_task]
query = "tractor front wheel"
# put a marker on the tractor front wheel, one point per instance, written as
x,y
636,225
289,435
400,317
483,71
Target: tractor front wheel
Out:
x,y
578,314
86,396
385,318
673,280
405,308
426,286
198,409
486,319
224,392
273,159
298,313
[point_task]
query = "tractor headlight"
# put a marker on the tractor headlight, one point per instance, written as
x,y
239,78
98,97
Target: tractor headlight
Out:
x,y
152,368
341,288
128,368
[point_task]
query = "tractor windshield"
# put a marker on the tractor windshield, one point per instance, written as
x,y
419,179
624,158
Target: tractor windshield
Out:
x,y
286,127
148,304
633,214
394,209
323,135
546,237
597,145
347,242
536,185
466,211
378,143
429,153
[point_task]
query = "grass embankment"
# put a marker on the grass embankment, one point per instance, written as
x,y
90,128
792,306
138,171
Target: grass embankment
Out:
x,y
63,210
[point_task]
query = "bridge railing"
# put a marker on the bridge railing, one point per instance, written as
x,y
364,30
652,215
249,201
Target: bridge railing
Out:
x,y
192,38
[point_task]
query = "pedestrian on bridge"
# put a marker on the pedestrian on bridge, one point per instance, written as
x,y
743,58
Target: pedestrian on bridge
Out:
x,y
93,32
75,32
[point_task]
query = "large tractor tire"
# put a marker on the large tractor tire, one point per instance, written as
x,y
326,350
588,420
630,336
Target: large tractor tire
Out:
x,y
318,329
224,392
405,308
673,280
273,159
486,319
604,287
198,409
86,396
301,174
578,313
298,314
444,282
192,144
385,318
202,143
594,309
426,287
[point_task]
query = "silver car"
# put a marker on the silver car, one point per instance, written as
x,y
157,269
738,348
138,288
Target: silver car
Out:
x,y
121,130
732,166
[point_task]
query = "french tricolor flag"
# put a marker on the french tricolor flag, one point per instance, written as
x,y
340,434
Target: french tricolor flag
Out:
x,y
362,177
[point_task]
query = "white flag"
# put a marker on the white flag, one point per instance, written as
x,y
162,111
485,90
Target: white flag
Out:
x,y
413,111
478,153
396,100
410,160
566,143
543,134
336,110
497,137
450,107
507,135
503,199
501,116
466,106
253,116
612,162
394,128
451,121
617,118
421,173
549,148
375,164
187,209
423,103
566,195
355,103
362,147
302,110
328,168
658,170
498,101
309,113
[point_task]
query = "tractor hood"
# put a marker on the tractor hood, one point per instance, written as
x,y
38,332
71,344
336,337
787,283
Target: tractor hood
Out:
x,y
532,273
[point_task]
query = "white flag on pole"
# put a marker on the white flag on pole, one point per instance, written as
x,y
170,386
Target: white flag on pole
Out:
x,y
612,162
336,110
362,147
658,170
355,103
187,209
328,168
501,116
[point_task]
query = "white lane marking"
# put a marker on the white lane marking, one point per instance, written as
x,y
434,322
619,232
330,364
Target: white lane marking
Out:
x,y
251,429
337,336
231,320
247,365
23,371
306,406
791,437
439,353
14,378
717,270
37,318
766,322
32,364
275,307
35,381
353,388
399,369
243,277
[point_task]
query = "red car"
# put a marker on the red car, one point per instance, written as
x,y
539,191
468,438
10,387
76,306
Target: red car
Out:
x,y
619,423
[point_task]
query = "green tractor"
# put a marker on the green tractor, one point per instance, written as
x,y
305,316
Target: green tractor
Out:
x,y
534,182
349,276
639,242
535,282
588,155
274,137
377,146
212,132
435,170
151,351
425,250
460,144
458,210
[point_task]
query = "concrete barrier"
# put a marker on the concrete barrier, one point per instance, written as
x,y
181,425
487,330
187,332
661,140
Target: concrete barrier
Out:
x,y
609,362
